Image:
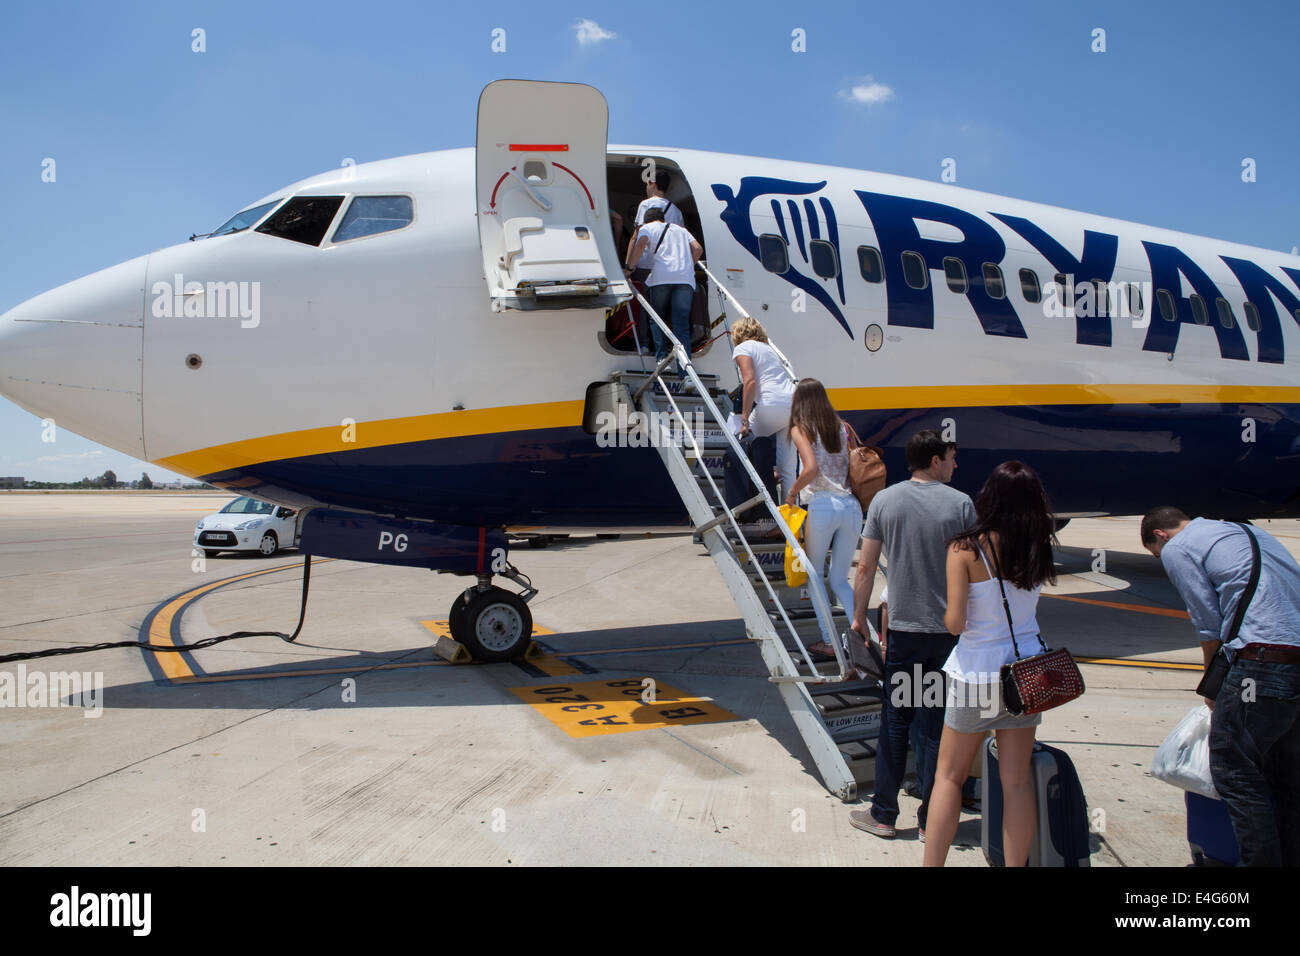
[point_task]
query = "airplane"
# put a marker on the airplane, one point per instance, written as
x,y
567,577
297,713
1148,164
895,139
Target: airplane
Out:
x,y
403,349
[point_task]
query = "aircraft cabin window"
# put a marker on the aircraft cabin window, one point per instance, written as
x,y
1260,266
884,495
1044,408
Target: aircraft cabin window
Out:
x,y
1134,300
245,218
914,270
824,261
1252,316
869,264
1167,310
772,252
1063,290
1200,313
371,215
1101,302
303,219
1226,318
955,272
993,284
1029,286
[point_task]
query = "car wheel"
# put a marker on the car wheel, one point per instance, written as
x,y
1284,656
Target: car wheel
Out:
x,y
269,544
210,554
497,626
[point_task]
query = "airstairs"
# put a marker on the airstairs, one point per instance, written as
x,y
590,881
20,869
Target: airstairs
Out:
x,y
835,704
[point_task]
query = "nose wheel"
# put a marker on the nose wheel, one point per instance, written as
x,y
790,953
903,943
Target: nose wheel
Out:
x,y
493,624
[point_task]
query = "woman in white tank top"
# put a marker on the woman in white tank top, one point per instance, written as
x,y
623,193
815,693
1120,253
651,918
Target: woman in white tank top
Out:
x,y
1014,531
834,514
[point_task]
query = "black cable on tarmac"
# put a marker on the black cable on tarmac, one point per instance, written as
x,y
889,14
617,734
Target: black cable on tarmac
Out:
x,y
172,648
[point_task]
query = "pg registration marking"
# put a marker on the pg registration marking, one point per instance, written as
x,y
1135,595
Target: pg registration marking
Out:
x,y
618,706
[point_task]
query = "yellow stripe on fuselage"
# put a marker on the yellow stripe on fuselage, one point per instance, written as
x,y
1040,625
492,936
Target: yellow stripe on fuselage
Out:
x,y
514,418
376,434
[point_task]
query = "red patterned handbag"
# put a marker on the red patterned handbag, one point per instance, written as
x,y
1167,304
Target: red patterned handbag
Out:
x,y
1034,684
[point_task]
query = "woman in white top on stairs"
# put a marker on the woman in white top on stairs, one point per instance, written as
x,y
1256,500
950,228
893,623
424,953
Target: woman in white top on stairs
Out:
x,y
767,393
1014,530
834,514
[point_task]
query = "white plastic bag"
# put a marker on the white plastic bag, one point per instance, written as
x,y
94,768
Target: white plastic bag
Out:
x,y
1184,758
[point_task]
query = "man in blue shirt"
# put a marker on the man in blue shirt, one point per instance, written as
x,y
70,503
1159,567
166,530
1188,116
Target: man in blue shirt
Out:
x,y
1255,731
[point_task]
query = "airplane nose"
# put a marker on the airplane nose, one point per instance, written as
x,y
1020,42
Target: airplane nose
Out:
x,y
74,355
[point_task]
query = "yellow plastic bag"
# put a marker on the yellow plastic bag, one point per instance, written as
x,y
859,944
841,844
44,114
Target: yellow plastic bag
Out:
x,y
795,574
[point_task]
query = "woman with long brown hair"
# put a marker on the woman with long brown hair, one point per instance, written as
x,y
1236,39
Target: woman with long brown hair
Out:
x,y
1012,541
834,514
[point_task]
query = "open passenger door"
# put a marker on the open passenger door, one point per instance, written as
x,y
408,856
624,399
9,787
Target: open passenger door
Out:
x,y
543,216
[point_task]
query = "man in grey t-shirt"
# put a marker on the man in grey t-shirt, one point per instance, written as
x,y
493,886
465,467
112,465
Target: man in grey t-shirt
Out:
x,y
912,520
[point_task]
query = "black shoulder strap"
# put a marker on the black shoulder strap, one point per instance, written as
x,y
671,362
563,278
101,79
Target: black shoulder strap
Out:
x,y
1253,583
1005,606
661,238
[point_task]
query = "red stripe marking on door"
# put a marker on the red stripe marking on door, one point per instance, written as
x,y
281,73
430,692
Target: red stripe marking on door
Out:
x,y
539,147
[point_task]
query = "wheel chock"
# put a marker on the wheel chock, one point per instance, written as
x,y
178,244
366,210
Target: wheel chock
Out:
x,y
455,652
452,651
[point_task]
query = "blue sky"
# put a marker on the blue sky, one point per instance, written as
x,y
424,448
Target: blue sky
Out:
x,y
154,141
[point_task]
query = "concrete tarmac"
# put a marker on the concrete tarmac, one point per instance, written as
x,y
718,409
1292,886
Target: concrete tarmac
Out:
x,y
358,745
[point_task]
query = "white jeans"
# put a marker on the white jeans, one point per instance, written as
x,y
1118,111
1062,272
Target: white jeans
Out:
x,y
834,524
767,420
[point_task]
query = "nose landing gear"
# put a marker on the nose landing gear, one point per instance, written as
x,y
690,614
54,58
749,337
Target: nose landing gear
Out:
x,y
494,624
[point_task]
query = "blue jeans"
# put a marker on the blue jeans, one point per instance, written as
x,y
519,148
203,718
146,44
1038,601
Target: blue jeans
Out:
x,y
1255,759
677,298
906,651
834,524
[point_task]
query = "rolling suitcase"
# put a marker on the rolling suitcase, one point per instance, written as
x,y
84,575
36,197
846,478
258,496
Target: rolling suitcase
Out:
x,y
1209,832
1061,833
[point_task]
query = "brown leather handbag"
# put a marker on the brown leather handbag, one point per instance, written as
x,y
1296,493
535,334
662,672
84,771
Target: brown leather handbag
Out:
x,y
866,469
1032,685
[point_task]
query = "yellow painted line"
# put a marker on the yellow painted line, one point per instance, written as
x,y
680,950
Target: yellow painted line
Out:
x,y
974,396
592,708
310,672
1140,608
659,647
1158,665
173,664
553,666
376,434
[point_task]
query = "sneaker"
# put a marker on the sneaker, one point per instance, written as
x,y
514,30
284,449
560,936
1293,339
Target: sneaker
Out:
x,y
971,804
863,820
920,835
912,788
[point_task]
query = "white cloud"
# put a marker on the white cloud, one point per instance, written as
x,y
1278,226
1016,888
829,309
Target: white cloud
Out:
x,y
867,91
590,32
81,457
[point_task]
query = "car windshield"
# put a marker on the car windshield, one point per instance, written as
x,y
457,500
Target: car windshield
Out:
x,y
244,219
247,506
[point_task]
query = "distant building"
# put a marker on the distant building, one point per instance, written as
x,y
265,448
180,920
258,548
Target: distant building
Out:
x,y
12,482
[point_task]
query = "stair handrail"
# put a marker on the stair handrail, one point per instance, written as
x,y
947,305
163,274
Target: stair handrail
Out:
x,y
785,362
816,587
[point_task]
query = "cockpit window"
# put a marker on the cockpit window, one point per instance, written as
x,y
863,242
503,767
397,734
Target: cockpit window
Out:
x,y
247,506
303,219
245,219
370,215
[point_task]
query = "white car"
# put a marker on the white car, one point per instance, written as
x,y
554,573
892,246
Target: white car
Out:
x,y
246,524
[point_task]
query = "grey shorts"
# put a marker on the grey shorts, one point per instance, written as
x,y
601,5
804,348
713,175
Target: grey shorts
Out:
x,y
975,708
